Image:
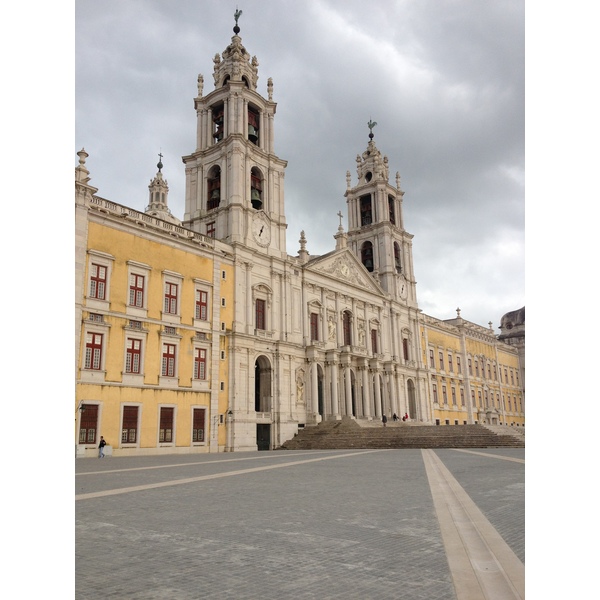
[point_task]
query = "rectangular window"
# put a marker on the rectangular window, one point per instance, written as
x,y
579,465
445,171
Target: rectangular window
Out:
x,y
200,363
450,367
98,282
458,367
374,341
405,348
133,356
130,424
441,356
168,360
444,394
473,397
489,372
88,425
346,324
210,229
476,368
198,419
454,396
470,367
260,314
431,359
136,290
201,305
93,351
170,305
314,327
165,433
512,377
462,396
479,397
435,397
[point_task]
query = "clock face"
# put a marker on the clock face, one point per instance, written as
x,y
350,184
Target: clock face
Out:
x,y
261,231
402,288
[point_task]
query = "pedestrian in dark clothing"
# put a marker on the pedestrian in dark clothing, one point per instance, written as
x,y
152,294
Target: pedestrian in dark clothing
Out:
x,y
384,419
101,447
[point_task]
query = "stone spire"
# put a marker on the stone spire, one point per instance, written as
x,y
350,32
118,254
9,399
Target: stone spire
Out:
x,y
83,190
303,253
159,191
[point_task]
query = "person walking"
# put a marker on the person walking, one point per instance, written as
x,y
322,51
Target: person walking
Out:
x,y
384,419
101,447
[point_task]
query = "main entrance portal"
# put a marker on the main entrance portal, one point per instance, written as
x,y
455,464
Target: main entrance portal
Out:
x,y
263,436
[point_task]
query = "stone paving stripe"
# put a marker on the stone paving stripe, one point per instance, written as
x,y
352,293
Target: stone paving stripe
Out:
x,y
139,488
482,565
488,455
189,464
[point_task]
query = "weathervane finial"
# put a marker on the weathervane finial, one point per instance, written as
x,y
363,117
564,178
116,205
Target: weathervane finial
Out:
x,y
370,125
236,15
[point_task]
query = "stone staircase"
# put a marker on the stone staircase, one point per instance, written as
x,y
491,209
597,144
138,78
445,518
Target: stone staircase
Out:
x,y
348,433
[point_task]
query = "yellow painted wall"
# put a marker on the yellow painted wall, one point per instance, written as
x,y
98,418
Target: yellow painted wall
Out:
x,y
160,256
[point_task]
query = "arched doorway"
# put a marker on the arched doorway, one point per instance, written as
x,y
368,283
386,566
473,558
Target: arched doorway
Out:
x,y
262,401
262,385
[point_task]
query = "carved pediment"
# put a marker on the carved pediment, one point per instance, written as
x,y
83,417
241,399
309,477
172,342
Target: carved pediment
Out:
x,y
346,267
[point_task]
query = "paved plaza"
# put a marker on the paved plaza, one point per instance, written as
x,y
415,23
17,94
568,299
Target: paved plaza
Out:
x,y
365,524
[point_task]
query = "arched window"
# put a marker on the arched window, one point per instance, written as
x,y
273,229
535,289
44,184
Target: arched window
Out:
x,y
366,256
218,119
392,210
397,261
366,213
256,186
214,188
253,124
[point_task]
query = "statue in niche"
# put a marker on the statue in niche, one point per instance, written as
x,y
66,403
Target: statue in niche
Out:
x,y
300,387
331,327
361,334
200,85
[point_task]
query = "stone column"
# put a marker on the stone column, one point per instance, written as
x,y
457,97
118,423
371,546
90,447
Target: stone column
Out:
x,y
348,381
366,391
377,394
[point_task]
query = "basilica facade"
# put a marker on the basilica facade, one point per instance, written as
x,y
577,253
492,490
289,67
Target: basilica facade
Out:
x,y
203,334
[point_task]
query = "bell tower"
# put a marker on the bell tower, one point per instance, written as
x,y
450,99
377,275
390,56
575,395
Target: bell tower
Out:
x,y
234,181
376,231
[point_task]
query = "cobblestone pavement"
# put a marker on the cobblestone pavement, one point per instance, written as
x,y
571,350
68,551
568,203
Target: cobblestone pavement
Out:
x,y
278,525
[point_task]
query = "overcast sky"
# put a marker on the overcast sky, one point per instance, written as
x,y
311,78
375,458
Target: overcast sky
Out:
x,y
444,80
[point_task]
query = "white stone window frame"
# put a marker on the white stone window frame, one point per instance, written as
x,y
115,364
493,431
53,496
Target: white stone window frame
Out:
x,y
89,445
94,375
105,260
135,334
173,278
374,324
168,381
315,307
262,291
172,443
135,444
143,270
201,385
201,285
205,409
